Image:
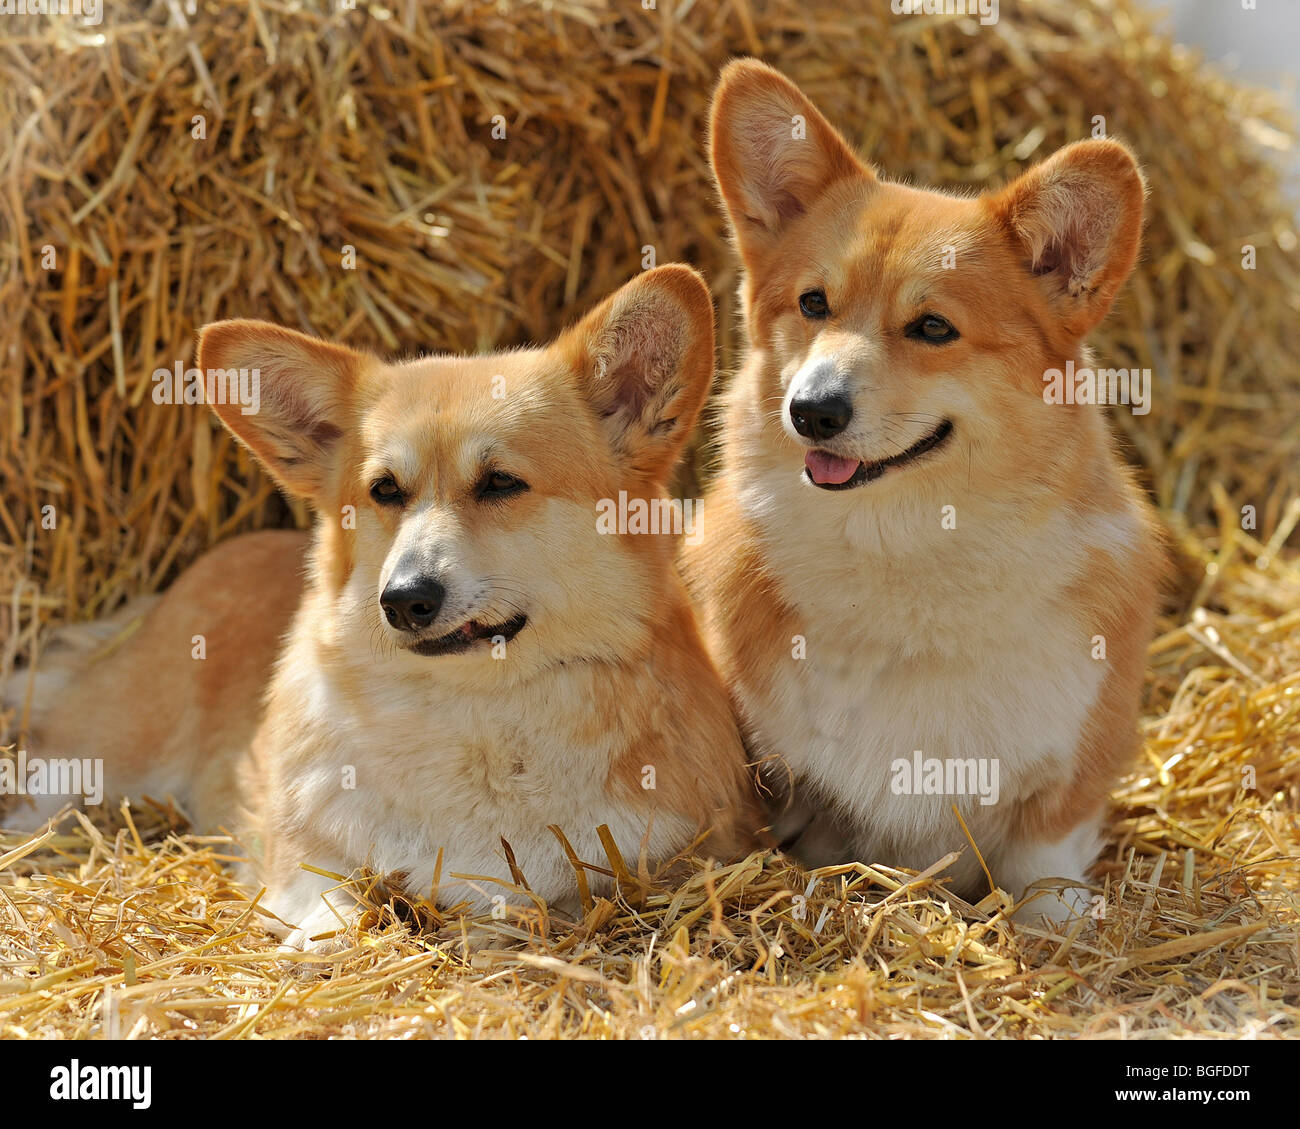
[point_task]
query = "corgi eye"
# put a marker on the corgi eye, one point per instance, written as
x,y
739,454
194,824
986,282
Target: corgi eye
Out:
x,y
498,484
813,304
932,329
386,492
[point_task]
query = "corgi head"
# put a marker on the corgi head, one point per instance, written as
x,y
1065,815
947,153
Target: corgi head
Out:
x,y
457,496
900,337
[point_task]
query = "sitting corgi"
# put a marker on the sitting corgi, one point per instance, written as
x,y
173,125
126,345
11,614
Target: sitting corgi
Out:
x,y
463,656
928,587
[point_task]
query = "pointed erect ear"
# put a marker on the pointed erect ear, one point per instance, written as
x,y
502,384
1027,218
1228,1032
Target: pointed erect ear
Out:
x,y
772,151
644,362
302,395
1077,218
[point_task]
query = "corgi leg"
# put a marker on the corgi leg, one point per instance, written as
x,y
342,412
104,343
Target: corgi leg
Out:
x,y
309,905
823,842
791,817
1051,875
32,813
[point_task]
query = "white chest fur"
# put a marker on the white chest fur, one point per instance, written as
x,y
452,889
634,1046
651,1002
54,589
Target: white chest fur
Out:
x,y
412,767
960,644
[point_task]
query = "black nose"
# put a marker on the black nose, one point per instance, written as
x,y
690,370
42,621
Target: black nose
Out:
x,y
411,600
822,418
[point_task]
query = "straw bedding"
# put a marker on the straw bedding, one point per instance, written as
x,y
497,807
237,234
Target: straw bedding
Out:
x,y
374,129
123,927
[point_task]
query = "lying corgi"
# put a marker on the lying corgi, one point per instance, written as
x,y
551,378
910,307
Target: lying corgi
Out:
x,y
466,658
921,578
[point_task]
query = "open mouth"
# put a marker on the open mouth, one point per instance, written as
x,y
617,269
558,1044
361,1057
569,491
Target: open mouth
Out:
x,y
467,635
834,472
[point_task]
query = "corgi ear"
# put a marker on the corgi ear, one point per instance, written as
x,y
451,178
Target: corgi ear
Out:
x,y
644,359
1077,217
772,152
302,395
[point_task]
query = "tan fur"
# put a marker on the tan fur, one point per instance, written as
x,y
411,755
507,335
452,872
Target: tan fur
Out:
x,y
903,620
152,710
607,687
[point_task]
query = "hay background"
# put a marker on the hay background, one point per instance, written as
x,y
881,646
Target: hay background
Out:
x,y
326,130
349,128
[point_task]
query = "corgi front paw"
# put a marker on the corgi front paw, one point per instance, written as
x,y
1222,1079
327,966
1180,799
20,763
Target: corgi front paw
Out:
x,y
1048,877
1059,906
34,814
320,935
304,941
311,914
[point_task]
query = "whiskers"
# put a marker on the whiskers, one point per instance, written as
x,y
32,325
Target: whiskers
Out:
x,y
772,415
381,645
918,426
505,594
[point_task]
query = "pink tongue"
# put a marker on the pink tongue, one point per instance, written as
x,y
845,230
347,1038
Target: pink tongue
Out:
x,y
825,468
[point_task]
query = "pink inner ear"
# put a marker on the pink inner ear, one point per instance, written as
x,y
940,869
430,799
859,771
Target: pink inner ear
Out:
x,y
788,206
1048,261
780,193
640,356
1071,221
1073,249
636,377
322,433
